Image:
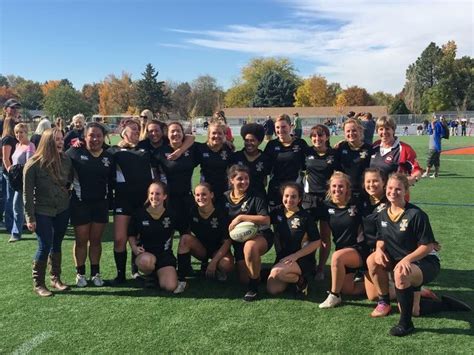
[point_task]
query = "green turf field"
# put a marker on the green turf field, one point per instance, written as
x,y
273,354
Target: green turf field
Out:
x,y
211,317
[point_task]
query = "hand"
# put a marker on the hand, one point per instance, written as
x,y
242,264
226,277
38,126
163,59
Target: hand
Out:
x,y
138,250
175,155
290,259
234,222
381,258
404,267
211,270
31,226
76,143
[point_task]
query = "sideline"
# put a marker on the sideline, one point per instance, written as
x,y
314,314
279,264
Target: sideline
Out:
x,y
29,345
443,204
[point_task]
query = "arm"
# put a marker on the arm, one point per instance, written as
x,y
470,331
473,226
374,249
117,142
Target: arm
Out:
x,y
187,143
380,257
6,156
29,177
259,220
306,250
419,253
30,151
223,250
137,250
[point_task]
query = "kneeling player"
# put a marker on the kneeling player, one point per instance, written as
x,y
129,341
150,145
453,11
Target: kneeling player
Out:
x,y
150,233
296,239
209,239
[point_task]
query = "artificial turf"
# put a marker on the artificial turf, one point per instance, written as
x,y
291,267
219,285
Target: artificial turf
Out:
x,y
211,316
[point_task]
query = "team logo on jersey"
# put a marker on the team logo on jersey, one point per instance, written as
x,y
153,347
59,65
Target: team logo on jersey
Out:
x,y
141,150
106,162
118,210
384,224
296,149
84,157
166,222
259,166
344,151
310,157
214,222
363,154
195,219
244,207
205,155
186,153
277,149
380,207
331,211
224,155
403,225
280,218
146,223
295,223
352,211
330,160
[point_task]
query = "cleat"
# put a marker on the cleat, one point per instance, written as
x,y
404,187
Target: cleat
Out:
x,y
400,331
137,276
97,280
182,285
301,291
382,310
331,301
250,296
81,280
455,304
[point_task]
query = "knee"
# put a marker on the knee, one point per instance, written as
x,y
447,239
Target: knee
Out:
x,y
170,285
337,261
146,263
401,281
81,243
271,289
185,241
226,264
250,251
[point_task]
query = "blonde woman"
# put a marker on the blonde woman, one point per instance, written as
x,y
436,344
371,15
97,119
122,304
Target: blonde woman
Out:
x,y
77,131
46,193
145,117
24,150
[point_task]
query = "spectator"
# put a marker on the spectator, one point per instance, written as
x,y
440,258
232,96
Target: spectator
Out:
x,y
436,132
269,128
463,127
297,125
369,127
43,125
77,132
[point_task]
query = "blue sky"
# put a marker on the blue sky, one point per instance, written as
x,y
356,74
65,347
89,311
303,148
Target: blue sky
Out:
x,y
354,42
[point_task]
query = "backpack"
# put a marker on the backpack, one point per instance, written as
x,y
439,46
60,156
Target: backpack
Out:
x,y
15,177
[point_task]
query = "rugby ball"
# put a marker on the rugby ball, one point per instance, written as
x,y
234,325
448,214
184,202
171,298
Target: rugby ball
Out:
x,y
243,232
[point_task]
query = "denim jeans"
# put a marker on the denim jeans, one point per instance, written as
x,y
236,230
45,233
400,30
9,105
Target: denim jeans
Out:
x,y
8,193
50,233
2,188
18,214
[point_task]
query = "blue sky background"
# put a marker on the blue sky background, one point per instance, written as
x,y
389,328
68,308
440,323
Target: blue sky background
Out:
x,y
359,42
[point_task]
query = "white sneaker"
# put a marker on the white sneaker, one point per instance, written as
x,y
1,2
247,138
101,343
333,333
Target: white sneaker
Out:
x,y
425,174
319,276
97,280
181,287
433,176
331,302
81,280
221,276
136,276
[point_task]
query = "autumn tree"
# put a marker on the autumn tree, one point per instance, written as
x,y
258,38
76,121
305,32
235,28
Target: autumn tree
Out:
x,y
50,85
381,98
206,96
274,90
116,95
90,94
314,92
4,81
356,96
341,103
151,93
238,95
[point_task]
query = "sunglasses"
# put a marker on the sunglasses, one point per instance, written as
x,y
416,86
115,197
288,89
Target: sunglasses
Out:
x,y
143,117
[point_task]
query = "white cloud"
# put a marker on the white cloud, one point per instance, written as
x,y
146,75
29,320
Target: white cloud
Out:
x,y
366,43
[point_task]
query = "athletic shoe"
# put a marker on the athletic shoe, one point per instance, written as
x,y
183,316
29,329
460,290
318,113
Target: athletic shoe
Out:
x,y
97,280
433,176
425,174
331,301
400,331
358,276
137,276
319,276
81,280
250,296
382,310
13,239
181,287
118,281
455,304
301,291
221,276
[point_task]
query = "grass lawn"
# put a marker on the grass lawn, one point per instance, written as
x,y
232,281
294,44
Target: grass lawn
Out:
x,y
211,316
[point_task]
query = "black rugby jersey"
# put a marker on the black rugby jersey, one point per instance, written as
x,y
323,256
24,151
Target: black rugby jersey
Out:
x,y
146,144
403,237
344,223
259,169
287,161
252,204
211,231
214,166
92,175
370,214
354,162
319,169
290,232
178,173
132,167
154,235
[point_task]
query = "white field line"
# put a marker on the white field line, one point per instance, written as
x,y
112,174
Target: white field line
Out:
x,y
29,345
466,160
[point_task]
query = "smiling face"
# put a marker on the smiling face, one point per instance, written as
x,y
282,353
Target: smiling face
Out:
x,y
373,184
282,130
240,182
396,192
352,133
154,133
131,133
340,190
175,134
156,195
216,135
386,134
251,144
291,198
94,139
78,124
203,196
319,140
21,135
59,140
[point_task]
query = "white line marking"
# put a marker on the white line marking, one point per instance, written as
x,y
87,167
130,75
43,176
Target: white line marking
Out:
x,y
29,345
466,160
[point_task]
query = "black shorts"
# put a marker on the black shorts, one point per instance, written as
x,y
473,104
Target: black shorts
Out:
x,y
239,247
163,259
127,201
429,267
85,212
433,158
314,203
181,206
307,263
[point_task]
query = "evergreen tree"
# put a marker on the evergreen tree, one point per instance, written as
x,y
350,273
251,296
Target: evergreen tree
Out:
x,y
274,91
399,108
151,93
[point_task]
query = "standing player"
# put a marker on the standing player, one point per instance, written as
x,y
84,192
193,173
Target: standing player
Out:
x,y
251,156
344,219
150,233
214,157
353,154
133,174
89,201
243,205
287,157
405,245
296,240
208,239
320,162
